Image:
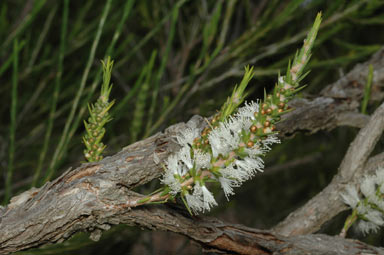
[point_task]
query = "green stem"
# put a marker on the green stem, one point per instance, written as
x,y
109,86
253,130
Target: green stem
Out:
x,y
60,149
349,222
164,60
12,131
40,41
23,24
149,35
56,93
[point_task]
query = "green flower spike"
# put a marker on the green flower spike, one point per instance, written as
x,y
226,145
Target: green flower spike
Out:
x,y
99,116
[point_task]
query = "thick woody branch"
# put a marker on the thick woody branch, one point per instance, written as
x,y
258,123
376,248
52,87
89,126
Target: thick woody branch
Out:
x,y
93,197
90,199
217,236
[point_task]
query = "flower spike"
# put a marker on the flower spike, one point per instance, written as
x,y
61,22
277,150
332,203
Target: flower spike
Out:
x,y
229,150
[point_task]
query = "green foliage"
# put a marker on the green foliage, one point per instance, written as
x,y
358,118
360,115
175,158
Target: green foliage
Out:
x,y
56,91
238,95
12,127
138,114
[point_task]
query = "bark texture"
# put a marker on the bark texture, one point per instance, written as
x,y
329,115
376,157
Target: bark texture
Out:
x,y
92,197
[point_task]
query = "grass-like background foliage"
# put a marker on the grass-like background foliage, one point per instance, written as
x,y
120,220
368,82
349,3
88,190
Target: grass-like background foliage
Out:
x,y
173,59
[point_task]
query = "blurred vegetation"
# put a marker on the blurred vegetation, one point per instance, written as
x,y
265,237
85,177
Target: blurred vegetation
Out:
x,y
173,59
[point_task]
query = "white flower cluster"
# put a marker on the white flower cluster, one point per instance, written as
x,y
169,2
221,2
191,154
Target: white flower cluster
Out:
x,y
233,169
369,206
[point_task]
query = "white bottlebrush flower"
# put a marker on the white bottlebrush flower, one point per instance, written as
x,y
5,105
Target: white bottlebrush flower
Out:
x,y
242,170
255,151
370,205
195,203
173,169
351,197
271,139
375,217
223,139
201,199
187,136
244,117
367,187
250,165
380,202
184,155
248,110
234,173
205,196
227,186
365,227
371,219
208,199
362,209
202,159
235,125
226,137
230,133
170,180
180,162
173,164
217,139
380,177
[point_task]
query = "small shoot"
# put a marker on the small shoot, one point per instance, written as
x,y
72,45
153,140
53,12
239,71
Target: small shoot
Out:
x,y
238,95
99,116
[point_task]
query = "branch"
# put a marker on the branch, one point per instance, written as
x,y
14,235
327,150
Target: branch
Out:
x,y
217,236
328,203
93,197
